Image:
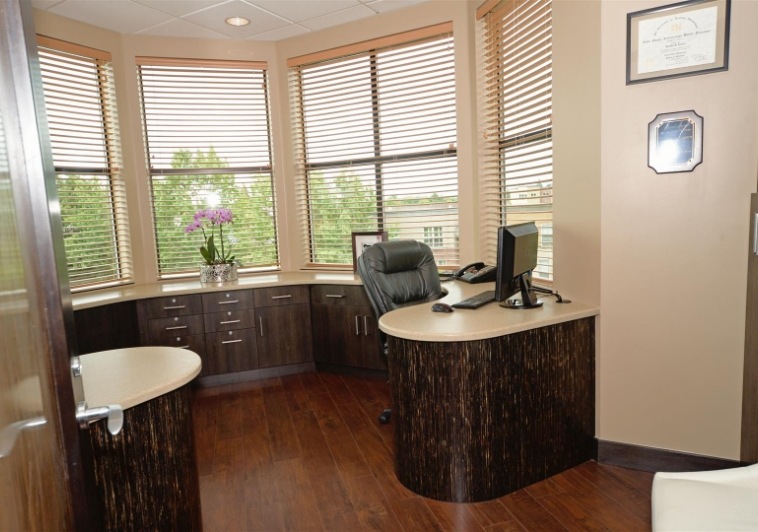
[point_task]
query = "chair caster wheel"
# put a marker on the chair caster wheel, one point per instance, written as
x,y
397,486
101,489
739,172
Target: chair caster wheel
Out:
x,y
384,417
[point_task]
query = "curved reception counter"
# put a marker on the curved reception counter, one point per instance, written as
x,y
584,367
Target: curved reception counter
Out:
x,y
488,401
145,476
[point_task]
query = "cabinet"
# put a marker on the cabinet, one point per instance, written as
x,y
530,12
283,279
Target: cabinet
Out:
x,y
230,342
283,325
173,321
344,328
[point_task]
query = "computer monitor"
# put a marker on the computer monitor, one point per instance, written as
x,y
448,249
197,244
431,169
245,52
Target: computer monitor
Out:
x,y
516,258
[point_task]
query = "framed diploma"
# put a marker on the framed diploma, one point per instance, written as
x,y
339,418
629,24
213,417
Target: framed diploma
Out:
x,y
683,39
362,240
675,142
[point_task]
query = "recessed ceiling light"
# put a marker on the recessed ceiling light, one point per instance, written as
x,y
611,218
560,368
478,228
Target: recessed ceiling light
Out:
x,y
237,21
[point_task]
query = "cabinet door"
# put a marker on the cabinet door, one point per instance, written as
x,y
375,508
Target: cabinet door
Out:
x,y
331,337
284,335
230,351
370,348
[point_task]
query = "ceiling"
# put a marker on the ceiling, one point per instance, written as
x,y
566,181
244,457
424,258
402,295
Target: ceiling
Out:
x,y
270,20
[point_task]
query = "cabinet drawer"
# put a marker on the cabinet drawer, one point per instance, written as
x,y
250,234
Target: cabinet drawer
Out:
x,y
178,325
229,320
193,342
163,307
234,300
280,295
230,351
338,295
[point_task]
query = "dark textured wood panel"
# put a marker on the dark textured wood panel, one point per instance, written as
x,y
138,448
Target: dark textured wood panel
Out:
x,y
284,334
146,476
108,327
229,352
476,420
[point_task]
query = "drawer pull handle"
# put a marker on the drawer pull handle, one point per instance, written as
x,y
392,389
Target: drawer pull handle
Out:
x,y
335,296
176,327
260,325
357,326
285,296
230,341
183,346
365,325
228,322
230,302
175,307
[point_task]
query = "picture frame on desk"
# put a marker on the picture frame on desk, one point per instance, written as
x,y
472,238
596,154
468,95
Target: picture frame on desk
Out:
x,y
683,39
364,239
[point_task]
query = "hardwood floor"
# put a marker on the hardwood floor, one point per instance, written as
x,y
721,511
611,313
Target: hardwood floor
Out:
x,y
305,452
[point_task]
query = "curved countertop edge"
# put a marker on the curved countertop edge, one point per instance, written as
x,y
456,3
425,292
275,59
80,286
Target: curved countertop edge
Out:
x,y
418,322
135,375
133,292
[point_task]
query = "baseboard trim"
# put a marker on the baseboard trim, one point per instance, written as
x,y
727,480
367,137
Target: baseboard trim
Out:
x,y
255,374
350,370
653,459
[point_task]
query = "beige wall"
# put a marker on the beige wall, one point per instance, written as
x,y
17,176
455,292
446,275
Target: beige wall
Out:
x,y
674,250
669,344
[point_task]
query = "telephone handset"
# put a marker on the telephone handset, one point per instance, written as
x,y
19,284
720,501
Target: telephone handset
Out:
x,y
477,272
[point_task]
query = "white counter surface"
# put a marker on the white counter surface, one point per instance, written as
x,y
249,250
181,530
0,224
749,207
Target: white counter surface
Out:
x,y
418,322
97,298
135,375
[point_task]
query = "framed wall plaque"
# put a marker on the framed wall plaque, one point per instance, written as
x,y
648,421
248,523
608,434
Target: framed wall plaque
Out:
x,y
683,39
675,142
362,240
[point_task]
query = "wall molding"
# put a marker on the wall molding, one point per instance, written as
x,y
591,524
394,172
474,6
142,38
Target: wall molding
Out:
x,y
654,459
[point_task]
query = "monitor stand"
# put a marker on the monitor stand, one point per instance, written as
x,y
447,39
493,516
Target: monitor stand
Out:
x,y
528,296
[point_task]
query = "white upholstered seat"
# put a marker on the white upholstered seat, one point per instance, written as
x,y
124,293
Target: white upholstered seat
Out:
x,y
722,500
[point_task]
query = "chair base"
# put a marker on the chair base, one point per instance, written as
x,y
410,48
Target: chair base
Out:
x,y
384,417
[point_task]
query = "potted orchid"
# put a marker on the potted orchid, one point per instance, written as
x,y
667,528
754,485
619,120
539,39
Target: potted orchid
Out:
x,y
220,265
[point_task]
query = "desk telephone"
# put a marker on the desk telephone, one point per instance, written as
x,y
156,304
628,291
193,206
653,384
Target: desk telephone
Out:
x,y
477,272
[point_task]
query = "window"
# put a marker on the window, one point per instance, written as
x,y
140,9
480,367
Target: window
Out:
x,y
516,160
81,113
207,136
375,141
433,237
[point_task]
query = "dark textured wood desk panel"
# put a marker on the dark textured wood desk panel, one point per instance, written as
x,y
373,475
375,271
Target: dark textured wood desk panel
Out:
x,y
476,420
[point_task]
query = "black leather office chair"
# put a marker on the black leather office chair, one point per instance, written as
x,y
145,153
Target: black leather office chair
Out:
x,y
396,274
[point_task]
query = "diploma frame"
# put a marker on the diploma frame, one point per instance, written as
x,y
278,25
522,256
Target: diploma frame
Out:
x,y
682,51
675,142
362,240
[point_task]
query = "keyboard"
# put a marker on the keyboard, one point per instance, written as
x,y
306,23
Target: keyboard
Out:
x,y
476,301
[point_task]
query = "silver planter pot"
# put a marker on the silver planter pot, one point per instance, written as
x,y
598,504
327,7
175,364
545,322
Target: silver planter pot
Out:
x,y
218,273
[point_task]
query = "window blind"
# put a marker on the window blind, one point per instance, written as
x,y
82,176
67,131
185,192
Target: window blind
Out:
x,y
376,146
516,148
207,135
81,111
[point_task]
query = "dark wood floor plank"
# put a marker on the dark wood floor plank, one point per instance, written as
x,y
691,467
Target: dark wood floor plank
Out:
x,y
284,442
414,514
372,508
297,395
293,485
454,516
529,513
289,453
345,450
492,512
334,504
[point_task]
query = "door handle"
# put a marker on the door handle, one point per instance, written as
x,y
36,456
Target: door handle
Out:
x,y
113,413
755,233
9,433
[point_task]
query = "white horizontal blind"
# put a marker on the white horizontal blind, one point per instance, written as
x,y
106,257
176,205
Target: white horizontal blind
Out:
x,y
81,112
207,133
376,147
516,149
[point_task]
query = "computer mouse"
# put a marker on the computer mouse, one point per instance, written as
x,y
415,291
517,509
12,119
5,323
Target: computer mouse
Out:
x,y
442,307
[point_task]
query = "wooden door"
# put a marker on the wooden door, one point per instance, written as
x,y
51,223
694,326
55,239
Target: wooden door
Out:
x,y
41,477
749,448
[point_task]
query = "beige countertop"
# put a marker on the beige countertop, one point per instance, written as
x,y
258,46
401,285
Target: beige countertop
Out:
x,y
97,298
135,375
418,322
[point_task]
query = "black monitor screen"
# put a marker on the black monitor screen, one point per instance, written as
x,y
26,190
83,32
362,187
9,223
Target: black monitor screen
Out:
x,y
516,256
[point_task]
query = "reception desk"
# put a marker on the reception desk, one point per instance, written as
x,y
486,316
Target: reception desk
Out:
x,y
488,401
